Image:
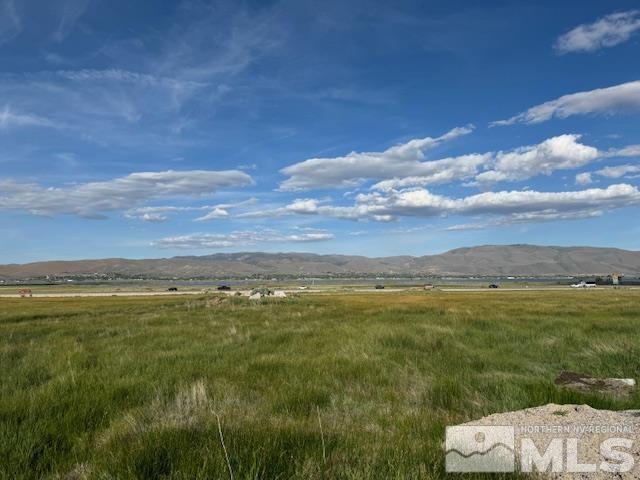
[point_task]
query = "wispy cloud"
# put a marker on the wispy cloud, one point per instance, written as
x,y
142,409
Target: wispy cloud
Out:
x,y
92,200
222,211
70,13
10,118
603,101
10,21
532,217
240,239
605,32
165,85
112,106
213,42
161,213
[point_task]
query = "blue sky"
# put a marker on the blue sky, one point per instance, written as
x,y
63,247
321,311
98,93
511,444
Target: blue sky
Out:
x,y
148,129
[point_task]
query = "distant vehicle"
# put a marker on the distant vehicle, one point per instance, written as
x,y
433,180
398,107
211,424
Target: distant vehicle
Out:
x,y
429,286
172,289
493,285
224,287
379,287
584,284
303,287
25,292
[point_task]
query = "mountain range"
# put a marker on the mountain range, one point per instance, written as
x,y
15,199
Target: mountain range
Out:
x,y
488,260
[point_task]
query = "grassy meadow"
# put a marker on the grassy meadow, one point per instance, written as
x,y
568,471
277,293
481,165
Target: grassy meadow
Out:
x,y
308,387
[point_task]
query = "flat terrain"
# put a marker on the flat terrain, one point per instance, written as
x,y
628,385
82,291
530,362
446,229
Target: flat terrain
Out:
x,y
349,386
102,290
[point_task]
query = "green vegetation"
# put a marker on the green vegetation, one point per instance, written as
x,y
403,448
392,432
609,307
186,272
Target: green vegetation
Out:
x,y
310,387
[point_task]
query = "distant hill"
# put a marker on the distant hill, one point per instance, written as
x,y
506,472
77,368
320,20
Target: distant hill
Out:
x,y
485,260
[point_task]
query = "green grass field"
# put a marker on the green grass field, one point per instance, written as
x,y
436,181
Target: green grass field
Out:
x,y
310,387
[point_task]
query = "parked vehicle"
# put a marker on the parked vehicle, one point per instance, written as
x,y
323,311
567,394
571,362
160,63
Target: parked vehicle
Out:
x,y
224,287
493,285
172,289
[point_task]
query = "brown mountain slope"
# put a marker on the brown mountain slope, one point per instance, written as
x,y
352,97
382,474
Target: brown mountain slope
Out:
x,y
484,260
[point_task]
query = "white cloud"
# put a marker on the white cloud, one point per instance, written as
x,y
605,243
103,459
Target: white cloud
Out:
x,y
92,199
563,152
151,217
356,167
584,178
613,171
530,217
618,171
441,171
159,213
222,211
423,203
162,212
619,98
628,151
515,205
240,238
605,32
214,214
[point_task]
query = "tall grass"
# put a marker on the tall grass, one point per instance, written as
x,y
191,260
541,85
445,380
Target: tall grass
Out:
x,y
348,387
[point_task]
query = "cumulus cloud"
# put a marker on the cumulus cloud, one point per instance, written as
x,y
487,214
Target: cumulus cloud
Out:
x,y
516,204
611,172
628,151
93,199
619,98
420,202
563,152
605,32
356,167
619,171
584,178
241,238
